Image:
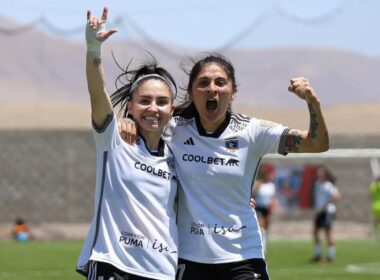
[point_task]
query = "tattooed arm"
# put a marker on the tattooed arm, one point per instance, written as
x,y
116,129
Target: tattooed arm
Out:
x,y
96,34
316,139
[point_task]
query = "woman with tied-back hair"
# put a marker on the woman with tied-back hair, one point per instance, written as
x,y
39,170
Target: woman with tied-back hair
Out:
x,y
264,193
217,154
133,234
326,196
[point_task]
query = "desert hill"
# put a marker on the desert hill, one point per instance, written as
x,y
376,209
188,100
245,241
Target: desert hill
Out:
x,y
42,81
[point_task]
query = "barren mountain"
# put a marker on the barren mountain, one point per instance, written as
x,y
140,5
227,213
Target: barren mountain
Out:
x,y
42,81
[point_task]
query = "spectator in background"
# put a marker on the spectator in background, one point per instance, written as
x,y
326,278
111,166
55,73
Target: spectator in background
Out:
x,y
375,197
326,195
20,230
264,194
287,194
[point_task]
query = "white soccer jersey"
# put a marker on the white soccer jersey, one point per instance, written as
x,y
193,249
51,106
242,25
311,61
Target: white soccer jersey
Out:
x,y
216,171
323,196
265,194
134,225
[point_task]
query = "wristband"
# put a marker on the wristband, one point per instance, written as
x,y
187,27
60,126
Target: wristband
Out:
x,y
94,45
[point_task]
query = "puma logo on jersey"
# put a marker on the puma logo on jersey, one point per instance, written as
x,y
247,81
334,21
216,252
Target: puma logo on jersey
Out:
x,y
197,228
131,241
189,142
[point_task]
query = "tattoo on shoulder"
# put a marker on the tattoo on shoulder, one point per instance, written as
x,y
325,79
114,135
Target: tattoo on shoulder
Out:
x,y
96,62
293,141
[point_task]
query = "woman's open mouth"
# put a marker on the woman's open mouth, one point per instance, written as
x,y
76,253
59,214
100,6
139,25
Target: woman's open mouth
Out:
x,y
211,104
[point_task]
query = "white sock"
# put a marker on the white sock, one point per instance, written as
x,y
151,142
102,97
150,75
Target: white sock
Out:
x,y
318,250
331,252
265,239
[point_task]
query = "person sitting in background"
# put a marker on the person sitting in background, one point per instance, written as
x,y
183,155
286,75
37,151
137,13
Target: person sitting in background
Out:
x,y
20,230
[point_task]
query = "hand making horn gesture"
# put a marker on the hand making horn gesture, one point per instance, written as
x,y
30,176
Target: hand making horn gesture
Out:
x,y
96,32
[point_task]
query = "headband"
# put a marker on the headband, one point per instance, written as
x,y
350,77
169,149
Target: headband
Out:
x,y
149,76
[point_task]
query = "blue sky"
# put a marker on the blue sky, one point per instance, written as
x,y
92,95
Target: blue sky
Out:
x,y
351,25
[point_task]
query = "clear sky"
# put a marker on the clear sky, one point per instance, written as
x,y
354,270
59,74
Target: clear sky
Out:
x,y
215,24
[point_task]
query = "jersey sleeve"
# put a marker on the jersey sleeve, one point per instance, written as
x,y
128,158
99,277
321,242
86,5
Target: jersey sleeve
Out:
x,y
268,137
169,128
107,137
332,189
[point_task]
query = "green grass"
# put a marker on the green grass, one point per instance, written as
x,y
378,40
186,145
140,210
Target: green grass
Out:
x,y
287,260
42,260
290,260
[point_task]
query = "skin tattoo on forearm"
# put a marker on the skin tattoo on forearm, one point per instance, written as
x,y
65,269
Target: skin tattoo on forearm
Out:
x,y
96,62
313,122
293,141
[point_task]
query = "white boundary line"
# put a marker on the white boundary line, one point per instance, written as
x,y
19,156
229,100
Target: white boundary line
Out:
x,y
321,270
34,272
367,268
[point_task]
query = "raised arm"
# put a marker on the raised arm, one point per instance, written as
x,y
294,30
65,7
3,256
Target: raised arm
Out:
x,y
96,34
316,139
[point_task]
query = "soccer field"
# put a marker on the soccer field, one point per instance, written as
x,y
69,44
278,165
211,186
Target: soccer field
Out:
x,y
356,259
288,260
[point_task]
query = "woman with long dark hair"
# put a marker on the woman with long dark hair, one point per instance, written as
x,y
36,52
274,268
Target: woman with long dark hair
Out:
x,y
133,234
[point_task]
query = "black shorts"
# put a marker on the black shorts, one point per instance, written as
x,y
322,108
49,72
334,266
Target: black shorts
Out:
x,y
324,220
102,270
242,270
262,211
